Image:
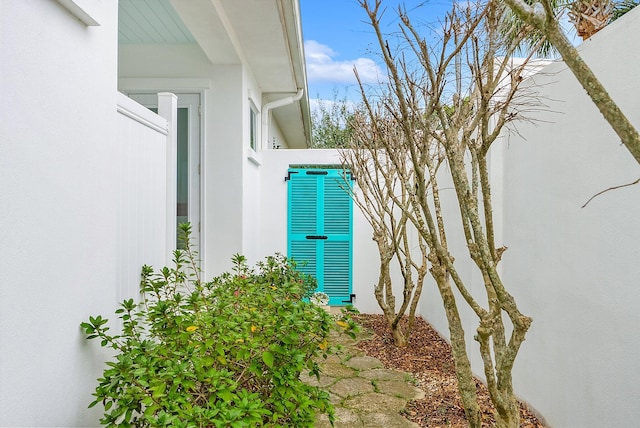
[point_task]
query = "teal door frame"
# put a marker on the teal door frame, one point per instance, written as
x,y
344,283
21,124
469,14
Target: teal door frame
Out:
x,y
320,229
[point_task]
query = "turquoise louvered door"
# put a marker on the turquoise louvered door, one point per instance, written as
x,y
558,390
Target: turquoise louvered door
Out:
x,y
319,228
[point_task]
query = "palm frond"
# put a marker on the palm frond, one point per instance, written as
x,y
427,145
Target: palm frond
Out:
x,y
622,7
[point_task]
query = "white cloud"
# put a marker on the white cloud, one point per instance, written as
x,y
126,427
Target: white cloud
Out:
x,y
321,66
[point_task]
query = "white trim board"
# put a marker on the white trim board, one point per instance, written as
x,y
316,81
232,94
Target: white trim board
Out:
x,y
84,10
140,84
134,110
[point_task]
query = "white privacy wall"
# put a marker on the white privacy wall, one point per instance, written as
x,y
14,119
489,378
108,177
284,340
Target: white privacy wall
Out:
x,y
574,270
83,172
58,249
273,219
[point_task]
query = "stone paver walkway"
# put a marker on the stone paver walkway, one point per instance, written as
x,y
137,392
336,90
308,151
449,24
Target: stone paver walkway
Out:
x,y
363,392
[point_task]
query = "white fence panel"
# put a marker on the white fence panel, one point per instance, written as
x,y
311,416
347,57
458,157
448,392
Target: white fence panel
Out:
x,y
142,212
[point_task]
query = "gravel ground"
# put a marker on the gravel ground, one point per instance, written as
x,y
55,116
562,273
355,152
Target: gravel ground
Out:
x,y
428,358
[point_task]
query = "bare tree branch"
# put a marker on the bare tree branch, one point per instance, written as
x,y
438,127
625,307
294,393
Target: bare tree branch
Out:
x,y
610,188
445,103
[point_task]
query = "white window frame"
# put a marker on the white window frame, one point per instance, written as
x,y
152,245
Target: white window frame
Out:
x,y
254,133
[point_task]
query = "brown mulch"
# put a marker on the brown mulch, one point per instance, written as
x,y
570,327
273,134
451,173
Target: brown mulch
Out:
x,y
428,359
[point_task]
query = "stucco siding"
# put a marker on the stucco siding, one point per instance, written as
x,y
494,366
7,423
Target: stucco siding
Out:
x,y
575,270
58,217
222,173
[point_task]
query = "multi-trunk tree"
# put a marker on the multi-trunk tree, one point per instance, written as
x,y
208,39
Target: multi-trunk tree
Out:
x,y
445,104
385,201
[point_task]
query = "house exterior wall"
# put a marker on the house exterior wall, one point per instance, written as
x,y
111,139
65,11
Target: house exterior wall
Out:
x,y
59,229
222,171
230,172
251,160
224,93
275,139
573,270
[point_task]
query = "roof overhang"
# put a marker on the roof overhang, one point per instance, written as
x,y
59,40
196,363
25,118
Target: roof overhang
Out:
x,y
265,35
269,35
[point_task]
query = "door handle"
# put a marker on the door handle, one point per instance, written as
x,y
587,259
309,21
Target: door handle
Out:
x,y
317,237
351,297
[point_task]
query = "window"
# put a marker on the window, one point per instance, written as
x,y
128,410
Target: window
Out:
x,y
254,133
253,128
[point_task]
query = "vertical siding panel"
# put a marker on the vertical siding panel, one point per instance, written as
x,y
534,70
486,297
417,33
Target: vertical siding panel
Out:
x,y
142,201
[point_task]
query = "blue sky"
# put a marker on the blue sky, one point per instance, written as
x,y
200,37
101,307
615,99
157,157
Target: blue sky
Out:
x,y
337,37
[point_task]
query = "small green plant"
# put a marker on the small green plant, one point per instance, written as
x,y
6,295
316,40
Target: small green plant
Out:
x,y
350,310
410,379
225,353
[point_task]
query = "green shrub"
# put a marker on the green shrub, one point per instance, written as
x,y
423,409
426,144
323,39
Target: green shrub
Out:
x,y
225,353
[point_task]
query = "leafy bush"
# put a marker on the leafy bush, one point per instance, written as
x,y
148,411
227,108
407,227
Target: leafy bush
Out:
x,y
225,353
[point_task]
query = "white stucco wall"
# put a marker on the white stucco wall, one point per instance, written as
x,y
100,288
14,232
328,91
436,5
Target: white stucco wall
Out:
x,y
276,139
223,169
573,270
150,61
251,163
58,217
273,219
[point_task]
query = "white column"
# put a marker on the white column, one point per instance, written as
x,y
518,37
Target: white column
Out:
x,y
168,109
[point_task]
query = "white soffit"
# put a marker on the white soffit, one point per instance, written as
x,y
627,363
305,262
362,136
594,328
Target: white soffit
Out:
x,y
150,22
264,42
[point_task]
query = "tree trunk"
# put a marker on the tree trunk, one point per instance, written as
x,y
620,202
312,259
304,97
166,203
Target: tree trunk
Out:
x,y
384,293
510,420
399,339
466,382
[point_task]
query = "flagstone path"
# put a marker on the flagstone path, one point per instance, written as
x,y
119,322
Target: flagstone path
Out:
x,y
363,392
